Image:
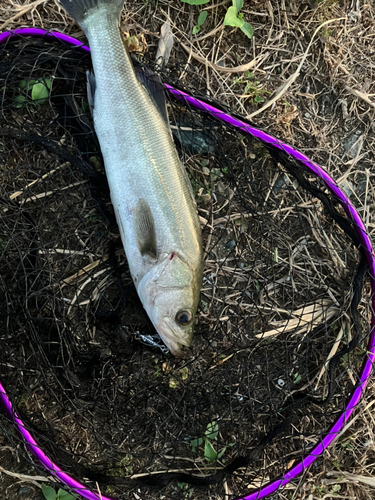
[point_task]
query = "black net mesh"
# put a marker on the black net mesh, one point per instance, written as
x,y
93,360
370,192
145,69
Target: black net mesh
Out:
x,y
79,357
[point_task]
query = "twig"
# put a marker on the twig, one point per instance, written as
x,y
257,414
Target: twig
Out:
x,y
304,319
23,10
50,193
347,477
361,95
331,354
216,67
284,87
24,477
219,27
18,193
216,5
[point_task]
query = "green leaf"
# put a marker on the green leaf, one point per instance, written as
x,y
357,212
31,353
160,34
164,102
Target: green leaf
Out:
x,y
247,29
212,430
28,83
195,2
221,453
64,495
347,445
231,18
19,101
249,88
202,17
47,82
40,92
48,492
194,443
258,99
196,30
209,452
237,4
173,383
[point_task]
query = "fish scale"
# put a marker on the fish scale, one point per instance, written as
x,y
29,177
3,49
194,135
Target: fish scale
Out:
x,y
152,199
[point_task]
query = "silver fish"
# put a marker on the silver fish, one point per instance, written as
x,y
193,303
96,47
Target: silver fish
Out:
x,y
150,191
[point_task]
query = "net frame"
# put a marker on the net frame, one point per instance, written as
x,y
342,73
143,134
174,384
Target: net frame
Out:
x,y
313,168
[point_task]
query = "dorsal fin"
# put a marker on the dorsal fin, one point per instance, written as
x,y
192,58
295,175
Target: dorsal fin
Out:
x,y
144,228
155,88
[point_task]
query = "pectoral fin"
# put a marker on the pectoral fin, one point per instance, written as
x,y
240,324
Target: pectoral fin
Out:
x,y
144,228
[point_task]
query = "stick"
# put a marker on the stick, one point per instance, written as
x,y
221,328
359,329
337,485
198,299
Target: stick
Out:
x,y
216,67
22,10
284,87
361,95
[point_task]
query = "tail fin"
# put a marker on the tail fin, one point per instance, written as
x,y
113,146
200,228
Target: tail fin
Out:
x,y
80,9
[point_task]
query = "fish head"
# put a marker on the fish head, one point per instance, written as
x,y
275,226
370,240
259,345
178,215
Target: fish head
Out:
x,y
170,293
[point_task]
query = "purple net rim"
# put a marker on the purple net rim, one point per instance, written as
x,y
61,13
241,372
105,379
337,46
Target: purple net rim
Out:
x,y
351,212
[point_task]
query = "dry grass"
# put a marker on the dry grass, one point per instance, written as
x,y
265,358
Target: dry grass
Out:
x,y
314,68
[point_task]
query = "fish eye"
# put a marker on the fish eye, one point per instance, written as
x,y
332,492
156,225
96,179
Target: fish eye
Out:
x,y
184,317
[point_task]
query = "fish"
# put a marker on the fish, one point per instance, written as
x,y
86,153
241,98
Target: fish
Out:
x,y
150,191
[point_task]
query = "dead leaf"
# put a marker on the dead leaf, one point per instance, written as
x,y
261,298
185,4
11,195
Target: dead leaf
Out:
x,y
290,114
135,43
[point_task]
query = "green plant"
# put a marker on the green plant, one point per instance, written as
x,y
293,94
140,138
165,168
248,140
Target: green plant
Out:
x,y
252,87
38,90
122,468
210,454
184,489
204,305
195,2
234,18
50,494
201,19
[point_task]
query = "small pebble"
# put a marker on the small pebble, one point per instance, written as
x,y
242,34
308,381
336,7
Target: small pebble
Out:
x,y
25,490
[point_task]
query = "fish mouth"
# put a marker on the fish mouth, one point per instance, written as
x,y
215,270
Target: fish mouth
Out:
x,y
178,346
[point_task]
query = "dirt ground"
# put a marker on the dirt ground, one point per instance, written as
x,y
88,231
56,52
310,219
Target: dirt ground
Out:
x,y
307,76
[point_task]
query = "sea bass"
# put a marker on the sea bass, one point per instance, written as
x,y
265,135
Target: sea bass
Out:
x,y
150,192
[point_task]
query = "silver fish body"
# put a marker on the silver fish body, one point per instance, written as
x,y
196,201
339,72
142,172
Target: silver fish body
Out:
x,y
153,203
